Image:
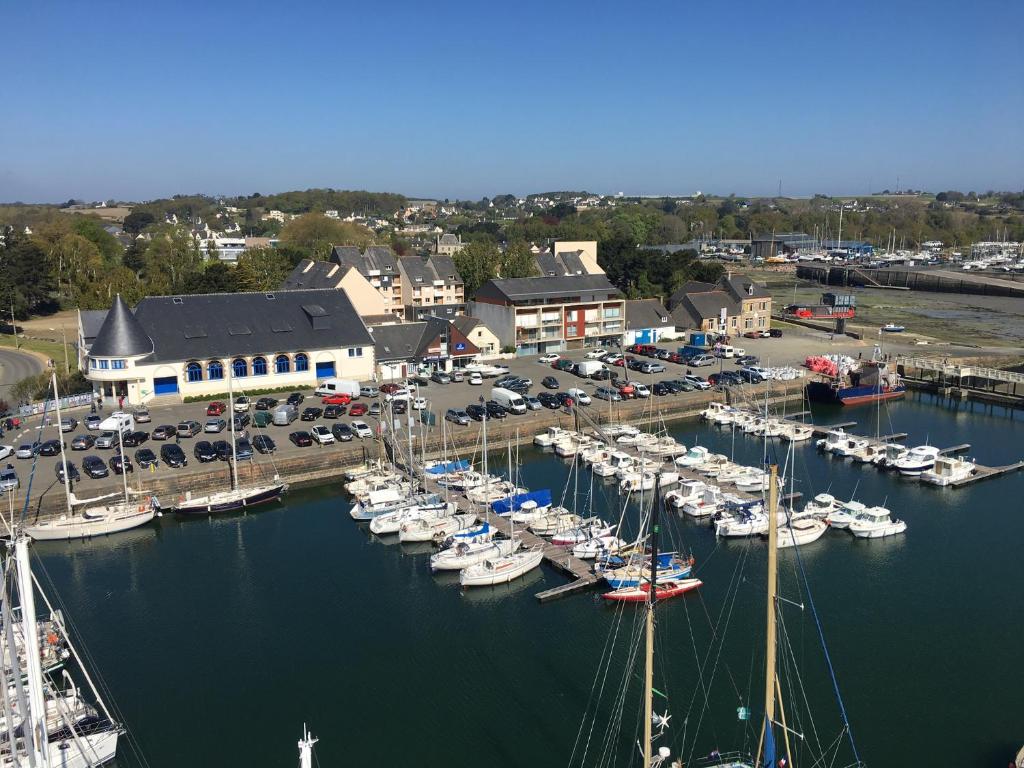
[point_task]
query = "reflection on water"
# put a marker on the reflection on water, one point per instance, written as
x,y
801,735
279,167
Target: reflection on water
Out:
x,y
527,586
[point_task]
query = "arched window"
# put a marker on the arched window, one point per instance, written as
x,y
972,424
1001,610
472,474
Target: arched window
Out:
x,y
215,370
194,371
259,366
239,368
301,362
282,364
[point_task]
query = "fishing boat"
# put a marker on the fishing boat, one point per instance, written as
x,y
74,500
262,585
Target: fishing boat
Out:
x,y
869,454
713,409
821,505
96,516
849,446
552,435
875,523
844,513
949,470
800,532
595,453
641,592
750,482
893,328
238,496
919,459
617,461
740,520
871,382
832,438
888,458
708,503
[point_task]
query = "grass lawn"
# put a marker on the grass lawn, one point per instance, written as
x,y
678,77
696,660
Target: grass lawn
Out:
x,y
51,349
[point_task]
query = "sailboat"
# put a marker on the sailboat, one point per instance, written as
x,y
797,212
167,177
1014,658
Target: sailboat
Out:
x,y
238,496
47,722
84,518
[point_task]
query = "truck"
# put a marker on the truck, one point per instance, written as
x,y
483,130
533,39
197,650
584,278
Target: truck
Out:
x,y
334,386
586,368
512,401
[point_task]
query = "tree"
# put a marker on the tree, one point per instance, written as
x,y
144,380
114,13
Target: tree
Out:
x,y
134,255
318,233
92,229
477,263
216,277
25,273
261,269
137,220
518,261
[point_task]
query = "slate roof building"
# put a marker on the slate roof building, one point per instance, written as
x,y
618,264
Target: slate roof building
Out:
x,y
436,344
551,313
647,321
189,345
732,306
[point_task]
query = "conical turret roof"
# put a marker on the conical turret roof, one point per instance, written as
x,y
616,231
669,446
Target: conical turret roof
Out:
x,y
121,335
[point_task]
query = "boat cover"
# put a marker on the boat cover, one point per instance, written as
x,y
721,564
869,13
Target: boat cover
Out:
x,y
507,506
451,466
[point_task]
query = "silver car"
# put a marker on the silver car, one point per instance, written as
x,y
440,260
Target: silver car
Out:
x,y
9,479
457,416
142,416
27,450
107,440
607,393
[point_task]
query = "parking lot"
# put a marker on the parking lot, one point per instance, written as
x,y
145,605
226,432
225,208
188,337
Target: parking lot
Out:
x,y
438,399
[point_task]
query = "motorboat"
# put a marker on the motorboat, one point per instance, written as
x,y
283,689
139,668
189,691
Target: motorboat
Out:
x,y
770,428
740,520
849,446
689,490
666,446
893,453
588,550
799,532
918,459
572,445
392,522
831,439
637,438
595,452
501,569
844,513
752,481
639,464
616,461
552,435
529,511
617,430
820,506
869,453
714,465
797,433
949,470
708,503
693,458
641,592
875,523
436,529
637,480
893,328
713,409
464,554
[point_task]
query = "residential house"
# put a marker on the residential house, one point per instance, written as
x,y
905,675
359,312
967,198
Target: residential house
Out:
x,y
448,244
647,321
189,345
431,281
477,332
434,344
568,258
732,306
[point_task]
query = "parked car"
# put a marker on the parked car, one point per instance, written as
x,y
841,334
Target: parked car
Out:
x,y
222,449
495,410
611,358
701,361
747,360
264,444
50,448
549,400
419,403
596,353
242,420
564,398
142,416
334,411
107,439
92,421
607,393
672,387
70,470
601,375
266,403
754,374
398,407
172,455
203,451
549,358
397,394
215,425
295,398
563,364
635,363
456,416
362,429
440,377
338,398
342,433
549,382
660,389
243,449
475,379
639,390
458,375
390,387
311,414
476,412
135,439
369,391
242,404
263,419
80,443
94,467
164,432
121,464
216,408
301,438
579,396
375,409
145,458
27,450
532,402
723,379
695,381
68,423
9,479
358,409
652,368
322,435
189,428
775,333
663,354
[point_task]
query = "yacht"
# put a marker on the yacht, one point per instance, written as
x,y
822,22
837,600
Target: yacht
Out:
x,y
831,439
392,522
602,545
501,569
874,523
917,460
949,470
465,554
436,529
556,520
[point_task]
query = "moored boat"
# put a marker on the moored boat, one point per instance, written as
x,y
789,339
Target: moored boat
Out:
x,y
641,592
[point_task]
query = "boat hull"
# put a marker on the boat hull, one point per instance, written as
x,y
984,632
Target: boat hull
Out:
x,y
824,392
500,570
640,593
230,501
80,527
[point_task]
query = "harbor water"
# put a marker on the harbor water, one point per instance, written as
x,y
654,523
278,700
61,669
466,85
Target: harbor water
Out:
x,y
218,638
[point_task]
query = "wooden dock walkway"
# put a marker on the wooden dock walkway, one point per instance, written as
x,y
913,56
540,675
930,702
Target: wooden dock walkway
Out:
x,y
984,473
955,449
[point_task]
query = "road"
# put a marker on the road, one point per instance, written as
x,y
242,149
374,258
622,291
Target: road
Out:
x,y
15,366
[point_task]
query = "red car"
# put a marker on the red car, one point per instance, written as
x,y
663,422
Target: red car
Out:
x,y
620,362
387,389
339,398
216,408
358,409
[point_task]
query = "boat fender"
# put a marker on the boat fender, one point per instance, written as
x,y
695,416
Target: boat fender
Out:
x,y
52,638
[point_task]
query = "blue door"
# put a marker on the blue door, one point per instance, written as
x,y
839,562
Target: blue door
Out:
x,y
644,336
324,370
166,385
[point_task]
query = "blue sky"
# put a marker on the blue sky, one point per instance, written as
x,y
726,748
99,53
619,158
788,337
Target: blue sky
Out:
x,y
447,99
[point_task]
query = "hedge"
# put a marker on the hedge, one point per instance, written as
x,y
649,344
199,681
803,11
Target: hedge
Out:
x,y
250,393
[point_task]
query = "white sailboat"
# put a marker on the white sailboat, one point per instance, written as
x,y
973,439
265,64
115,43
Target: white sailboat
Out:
x,y
83,518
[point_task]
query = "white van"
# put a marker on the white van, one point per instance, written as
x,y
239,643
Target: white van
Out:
x,y
724,350
338,386
118,421
512,402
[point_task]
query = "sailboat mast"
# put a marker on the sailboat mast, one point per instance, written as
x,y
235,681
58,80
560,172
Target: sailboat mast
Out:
x,y
35,718
487,476
767,740
60,439
649,639
231,423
